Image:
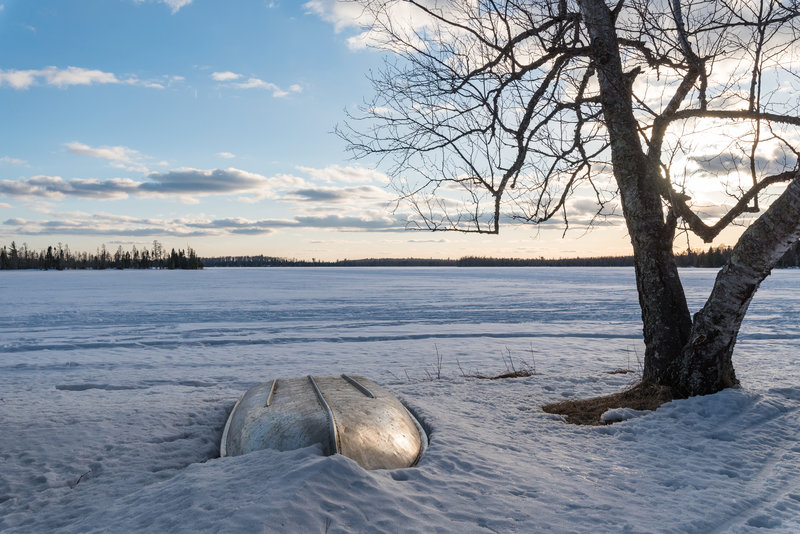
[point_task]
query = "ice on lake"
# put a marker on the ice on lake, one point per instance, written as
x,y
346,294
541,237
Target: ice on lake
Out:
x,y
116,385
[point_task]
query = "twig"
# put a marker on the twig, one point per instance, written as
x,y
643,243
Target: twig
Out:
x,y
533,358
458,363
438,363
81,478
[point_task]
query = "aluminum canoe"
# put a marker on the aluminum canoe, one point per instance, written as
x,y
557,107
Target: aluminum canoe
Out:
x,y
349,415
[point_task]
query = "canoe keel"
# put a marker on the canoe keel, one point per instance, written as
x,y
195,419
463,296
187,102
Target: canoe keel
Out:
x,y
349,415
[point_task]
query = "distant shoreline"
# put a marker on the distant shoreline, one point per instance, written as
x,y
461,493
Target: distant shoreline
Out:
x,y
710,258
61,258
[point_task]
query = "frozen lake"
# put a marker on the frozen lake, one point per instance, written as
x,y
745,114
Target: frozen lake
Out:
x,y
116,384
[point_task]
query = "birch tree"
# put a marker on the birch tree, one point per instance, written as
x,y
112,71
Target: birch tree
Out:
x,y
494,112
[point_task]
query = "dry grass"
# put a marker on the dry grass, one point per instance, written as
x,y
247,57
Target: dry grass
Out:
x,y
525,369
642,396
620,371
519,373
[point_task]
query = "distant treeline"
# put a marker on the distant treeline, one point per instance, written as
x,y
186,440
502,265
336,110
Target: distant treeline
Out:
x,y
713,257
467,261
60,257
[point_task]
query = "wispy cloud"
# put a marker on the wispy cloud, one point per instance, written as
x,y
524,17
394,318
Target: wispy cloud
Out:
x,y
23,79
337,194
225,76
121,157
342,15
313,195
734,163
345,14
116,225
226,155
342,222
346,174
174,5
229,78
114,153
69,76
6,160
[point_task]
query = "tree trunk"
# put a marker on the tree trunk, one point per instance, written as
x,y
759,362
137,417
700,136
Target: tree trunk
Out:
x,y
706,359
665,314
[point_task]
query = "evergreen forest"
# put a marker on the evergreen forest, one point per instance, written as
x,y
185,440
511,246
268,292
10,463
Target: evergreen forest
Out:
x,y
60,257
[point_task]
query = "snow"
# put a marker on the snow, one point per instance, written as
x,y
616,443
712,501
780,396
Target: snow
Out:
x,y
115,387
615,415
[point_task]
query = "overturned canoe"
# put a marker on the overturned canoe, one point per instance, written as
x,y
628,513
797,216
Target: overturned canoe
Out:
x,y
349,415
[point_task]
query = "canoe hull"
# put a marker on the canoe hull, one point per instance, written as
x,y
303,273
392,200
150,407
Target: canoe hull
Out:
x,y
353,416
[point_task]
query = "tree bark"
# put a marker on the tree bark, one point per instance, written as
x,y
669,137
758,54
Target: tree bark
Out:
x,y
665,314
706,360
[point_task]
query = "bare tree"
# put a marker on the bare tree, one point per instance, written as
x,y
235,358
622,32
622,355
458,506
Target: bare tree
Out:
x,y
491,111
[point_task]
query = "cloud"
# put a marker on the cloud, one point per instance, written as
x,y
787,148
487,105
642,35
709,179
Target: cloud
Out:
x,y
113,153
345,14
76,76
225,76
55,187
69,76
4,205
731,163
277,92
336,173
114,225
254,83
23,79
174,5
6,160
710,210
337,194
204,182
226,155
184,183
343,222
341,15
312,195
121,157
98,226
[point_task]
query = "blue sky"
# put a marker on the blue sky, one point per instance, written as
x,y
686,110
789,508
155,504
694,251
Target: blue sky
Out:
x,y
206,124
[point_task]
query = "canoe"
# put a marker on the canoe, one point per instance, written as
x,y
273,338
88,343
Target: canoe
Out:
x,y
349,415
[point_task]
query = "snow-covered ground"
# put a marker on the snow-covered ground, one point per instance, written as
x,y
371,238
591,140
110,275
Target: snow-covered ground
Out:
x,y
115,386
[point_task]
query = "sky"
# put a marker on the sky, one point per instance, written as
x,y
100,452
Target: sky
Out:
x,y
210,125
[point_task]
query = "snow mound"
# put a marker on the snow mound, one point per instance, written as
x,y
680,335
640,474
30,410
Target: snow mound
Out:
x,y
615,415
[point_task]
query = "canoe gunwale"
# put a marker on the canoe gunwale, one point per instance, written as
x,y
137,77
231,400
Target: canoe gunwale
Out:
x,y
423,436
223,447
